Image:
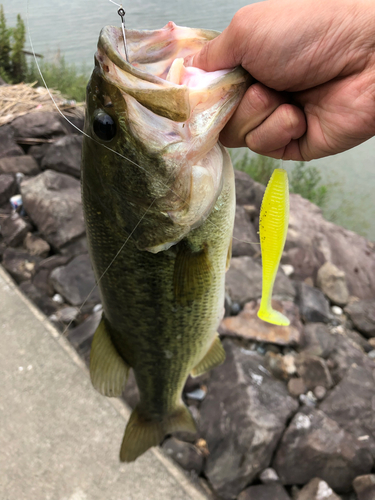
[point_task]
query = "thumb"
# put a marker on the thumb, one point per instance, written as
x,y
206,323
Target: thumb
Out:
x,y
216,54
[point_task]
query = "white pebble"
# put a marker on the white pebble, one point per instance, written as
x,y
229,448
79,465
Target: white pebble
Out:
x,y
336,310
97,308
288,269
20,368
58,299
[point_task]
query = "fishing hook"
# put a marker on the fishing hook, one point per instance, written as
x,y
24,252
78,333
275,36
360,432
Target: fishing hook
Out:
x,y
122,13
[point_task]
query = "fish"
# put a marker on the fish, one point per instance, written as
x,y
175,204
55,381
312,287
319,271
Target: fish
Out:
x,y
273,227
159,203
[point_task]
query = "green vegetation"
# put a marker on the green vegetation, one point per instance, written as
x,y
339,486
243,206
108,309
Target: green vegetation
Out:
x,y
14,67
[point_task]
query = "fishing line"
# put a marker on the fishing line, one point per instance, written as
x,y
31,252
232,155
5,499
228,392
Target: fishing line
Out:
x,y
118,154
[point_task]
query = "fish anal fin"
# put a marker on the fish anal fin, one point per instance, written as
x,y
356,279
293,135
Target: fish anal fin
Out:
x,y
108,371
142,433
214,357
192,273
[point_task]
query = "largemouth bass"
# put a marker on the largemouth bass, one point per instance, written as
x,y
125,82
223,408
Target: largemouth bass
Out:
x,y
159,205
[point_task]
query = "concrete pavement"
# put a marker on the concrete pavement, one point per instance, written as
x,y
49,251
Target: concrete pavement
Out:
x,y
59,439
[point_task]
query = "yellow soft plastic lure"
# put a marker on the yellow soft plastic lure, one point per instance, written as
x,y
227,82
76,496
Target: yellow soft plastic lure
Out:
x,y
273,226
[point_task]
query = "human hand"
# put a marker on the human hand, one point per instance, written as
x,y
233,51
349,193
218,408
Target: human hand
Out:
x,y
314,62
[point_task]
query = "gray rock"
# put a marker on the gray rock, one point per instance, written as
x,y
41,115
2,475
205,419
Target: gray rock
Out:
x,y
41,125
248,192
67,314
38,152
315,445
311,241
65,156
358,339
81,336
313,371
41,281
364,486
8,145
45,303
23,164
245,238
318,340
332,282
185,454
296,387
8,187
53,202
36,246
75,281
351,404
242,419
314,307
244,282
19,264
269,476
264,492
317,489
362,314
320,392
14,229
52,262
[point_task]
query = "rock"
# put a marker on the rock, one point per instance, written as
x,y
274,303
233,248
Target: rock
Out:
x,y
81,336
8,145
269,476
8,187
264,492
41,281
247,325
36,246
19,264
75,281
38,152
311,241
67,314
308,399
65,156
14,230
53,202
315,445
364,486
320,392
318,340
242,419
185,454
358,339
331,280
362,314
280,366
52,262
45,303
23,164
245,238
344,355
40,125
244,282
248,192
296,387
314,307
337,310
351,404
317,489
313,371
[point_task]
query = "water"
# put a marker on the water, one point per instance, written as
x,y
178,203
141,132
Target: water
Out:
x,y
73,26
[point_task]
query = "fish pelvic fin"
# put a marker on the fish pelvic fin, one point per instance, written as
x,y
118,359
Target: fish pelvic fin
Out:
x,y
273,226
108,371
214,357
142,433
192,273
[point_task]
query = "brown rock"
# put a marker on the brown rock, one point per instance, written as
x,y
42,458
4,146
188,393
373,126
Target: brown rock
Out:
x,y
8,188
364,486
313,371
296,387
264,492
332,282
23,164
36,246
317,489
362,314
14,230
280,366
247,325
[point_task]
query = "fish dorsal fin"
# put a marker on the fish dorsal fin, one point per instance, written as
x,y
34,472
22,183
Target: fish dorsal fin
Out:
x,y
142,433
192,273
273,226
214,357
108,371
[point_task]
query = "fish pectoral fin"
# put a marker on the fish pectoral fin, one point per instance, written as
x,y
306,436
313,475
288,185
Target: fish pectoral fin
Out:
x,y
214,357
192,273
108,371
142,433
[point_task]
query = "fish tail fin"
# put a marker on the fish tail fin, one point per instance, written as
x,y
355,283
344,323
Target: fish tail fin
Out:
x,y
142,433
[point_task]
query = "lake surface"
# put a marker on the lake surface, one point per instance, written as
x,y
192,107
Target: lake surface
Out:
x,y
73,26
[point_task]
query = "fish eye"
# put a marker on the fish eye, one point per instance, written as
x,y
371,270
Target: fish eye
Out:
x,y
104,126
